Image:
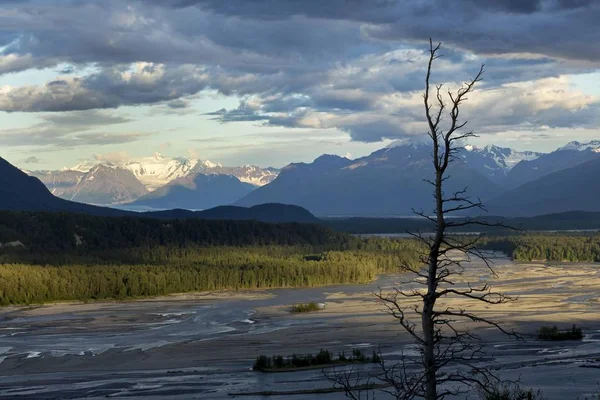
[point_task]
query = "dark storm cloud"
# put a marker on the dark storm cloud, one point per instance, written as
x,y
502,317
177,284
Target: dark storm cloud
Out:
x,y
109,88
345,64
240,114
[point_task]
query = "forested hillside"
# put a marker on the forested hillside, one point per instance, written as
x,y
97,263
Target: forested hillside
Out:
x,y
60,232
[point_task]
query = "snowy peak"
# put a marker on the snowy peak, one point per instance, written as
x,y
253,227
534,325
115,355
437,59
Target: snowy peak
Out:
x,y
247,173
593,145
83,166
503,158
208,164
157,170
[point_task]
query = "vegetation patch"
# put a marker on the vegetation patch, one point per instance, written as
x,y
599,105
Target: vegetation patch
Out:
x,y
511,392
367,386
321,359
556,247
553,333
305,307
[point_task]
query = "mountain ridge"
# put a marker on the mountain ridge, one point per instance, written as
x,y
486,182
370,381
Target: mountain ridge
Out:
x,y
196,191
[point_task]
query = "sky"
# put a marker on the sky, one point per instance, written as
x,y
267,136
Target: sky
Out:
x,y
269,82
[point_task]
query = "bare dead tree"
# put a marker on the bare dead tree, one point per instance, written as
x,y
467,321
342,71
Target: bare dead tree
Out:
x,y
450,361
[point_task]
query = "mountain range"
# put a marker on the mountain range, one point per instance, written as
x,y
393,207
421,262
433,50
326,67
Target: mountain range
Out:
x,y
389,181
111,184
20,192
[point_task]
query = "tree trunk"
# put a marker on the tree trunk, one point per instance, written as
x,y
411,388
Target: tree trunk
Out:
x,y
429,300
428,353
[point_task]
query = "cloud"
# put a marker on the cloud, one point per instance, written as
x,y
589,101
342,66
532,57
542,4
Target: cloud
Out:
x,y
178,104
32,160
120,157
70,130
548,102
110,88
353,66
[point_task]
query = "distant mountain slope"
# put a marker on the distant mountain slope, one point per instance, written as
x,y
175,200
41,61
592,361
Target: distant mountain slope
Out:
x,y
573,189
106,184
103,184
58,182
197,191
574,153
18,191
387,182
264,212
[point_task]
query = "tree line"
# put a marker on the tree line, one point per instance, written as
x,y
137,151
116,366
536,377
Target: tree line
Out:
x,y
166,270
583,247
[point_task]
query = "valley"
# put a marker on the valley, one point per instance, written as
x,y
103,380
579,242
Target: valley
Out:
x,y
203,344
263,200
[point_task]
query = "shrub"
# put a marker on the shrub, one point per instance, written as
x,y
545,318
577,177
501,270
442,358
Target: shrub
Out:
x,y
323,357
553,333
358,355
278,362
262,363
376,357
305,307
512,392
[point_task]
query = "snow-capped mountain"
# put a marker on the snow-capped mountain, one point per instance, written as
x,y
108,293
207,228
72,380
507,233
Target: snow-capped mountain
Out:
x,y
593,145
390,181
495,162
157,171
568,156
247,173
141,175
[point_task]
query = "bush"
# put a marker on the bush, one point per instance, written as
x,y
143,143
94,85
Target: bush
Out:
x,y
278,362
308,307
358,355
323,357
262,363
376,357
512,392
553,333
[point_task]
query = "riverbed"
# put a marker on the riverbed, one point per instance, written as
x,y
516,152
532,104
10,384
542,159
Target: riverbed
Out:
x,y
203,345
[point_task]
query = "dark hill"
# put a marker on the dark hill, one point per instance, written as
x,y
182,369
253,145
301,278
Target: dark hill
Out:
x,y
572,189
196,192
